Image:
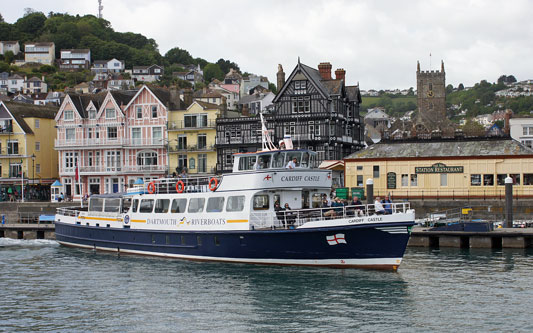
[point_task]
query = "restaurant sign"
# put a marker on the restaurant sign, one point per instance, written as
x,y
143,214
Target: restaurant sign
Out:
x,y
440,168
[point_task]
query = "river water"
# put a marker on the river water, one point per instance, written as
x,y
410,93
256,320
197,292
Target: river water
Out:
x,y
47,287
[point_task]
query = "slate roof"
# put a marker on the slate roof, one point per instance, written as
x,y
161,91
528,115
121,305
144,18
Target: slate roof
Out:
x,y
206,105
81,101
333,87
123,97
162,94
353,93
25,110
443,148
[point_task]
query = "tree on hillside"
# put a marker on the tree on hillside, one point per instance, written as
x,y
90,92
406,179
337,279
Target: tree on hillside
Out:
x,y
460,87
225,65
1,18
449,89
473,128
506,79
178,56
201,62
272,87
31,24
213,71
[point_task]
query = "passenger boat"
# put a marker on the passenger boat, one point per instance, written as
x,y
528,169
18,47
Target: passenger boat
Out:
x,y
232,218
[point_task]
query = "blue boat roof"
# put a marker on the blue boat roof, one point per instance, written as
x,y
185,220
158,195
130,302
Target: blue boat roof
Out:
x,y
57,183
139,181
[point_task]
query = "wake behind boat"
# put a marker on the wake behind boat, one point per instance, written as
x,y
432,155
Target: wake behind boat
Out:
x,y
239,218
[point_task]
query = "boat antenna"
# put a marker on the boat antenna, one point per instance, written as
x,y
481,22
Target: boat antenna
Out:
x,y
265,136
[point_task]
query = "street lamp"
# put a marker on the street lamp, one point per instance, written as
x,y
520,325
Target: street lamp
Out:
x,y
33,168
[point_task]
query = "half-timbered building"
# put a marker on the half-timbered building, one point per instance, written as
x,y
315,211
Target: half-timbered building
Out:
x,y
319,113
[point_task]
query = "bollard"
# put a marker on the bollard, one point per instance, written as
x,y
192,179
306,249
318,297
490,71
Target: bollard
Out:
x,y
508,202
370,191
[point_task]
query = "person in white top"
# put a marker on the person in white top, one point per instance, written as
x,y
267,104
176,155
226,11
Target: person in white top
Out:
x,y
378,207
291,164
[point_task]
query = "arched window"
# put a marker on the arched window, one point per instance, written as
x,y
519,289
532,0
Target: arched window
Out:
x,y
147,158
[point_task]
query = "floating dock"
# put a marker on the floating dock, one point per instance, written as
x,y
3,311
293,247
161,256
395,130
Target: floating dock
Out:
x,y
513,238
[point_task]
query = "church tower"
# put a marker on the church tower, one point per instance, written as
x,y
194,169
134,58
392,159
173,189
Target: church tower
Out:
x,y
431,98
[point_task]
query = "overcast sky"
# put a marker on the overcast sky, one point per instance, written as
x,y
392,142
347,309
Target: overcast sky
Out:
x,y
377,42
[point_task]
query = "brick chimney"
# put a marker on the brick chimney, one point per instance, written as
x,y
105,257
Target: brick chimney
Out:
x,y
175,101
325,70
245,110
187,97
506,124
340,74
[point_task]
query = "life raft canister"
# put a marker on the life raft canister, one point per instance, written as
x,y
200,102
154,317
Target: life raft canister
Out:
x,y
213,183
180,186
151,188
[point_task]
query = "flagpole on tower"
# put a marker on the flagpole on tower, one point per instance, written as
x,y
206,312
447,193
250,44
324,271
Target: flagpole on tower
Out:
x,y
430,61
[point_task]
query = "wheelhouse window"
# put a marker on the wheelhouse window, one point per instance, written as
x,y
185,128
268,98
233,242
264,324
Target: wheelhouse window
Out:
x,y
161,205
112,205
261,202
96,204
178,206
215,204
247,162
134,205
147,206
235,204
196,205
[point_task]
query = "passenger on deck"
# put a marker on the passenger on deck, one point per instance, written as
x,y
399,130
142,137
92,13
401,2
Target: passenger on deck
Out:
x,y
359,209
387,205
292,164
378,207
290,217
279,213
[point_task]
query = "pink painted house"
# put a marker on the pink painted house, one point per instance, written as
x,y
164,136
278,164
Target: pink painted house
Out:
x,y
114,138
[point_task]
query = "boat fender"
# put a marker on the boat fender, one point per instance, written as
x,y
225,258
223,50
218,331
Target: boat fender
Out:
x,y
151,188
180,186
213,183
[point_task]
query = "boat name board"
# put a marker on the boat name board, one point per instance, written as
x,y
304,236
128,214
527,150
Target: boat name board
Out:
x,y
370,219
184,221
300,178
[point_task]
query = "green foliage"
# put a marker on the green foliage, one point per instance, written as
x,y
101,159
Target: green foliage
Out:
x,y
47,69
394,105
9,56
272,87
473,128
226,65
31,25
178,56
506,79
4,66
213,71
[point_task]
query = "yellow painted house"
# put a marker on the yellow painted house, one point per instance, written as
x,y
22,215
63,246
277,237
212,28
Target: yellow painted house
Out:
x,y
27,136
191,135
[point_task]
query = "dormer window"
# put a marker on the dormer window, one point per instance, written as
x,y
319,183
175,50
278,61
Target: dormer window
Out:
x,y
300,87
92,114
110,113
69,115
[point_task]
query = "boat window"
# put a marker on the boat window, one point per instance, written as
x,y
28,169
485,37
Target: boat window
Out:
x,y
235,204
126,203
261,202
112,205
263,161
247,162
316,200
215,204
196,205
147,206
277,198
96,204
312,161
304,163
135,205
178,206
278,160
293,155
161,205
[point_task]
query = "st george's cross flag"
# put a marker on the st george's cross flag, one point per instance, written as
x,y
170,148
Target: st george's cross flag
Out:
x,y
336,239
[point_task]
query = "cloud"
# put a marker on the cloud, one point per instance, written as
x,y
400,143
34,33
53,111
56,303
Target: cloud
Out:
x,y
377,42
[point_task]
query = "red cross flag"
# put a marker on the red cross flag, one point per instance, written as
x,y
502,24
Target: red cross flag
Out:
x,y
336,239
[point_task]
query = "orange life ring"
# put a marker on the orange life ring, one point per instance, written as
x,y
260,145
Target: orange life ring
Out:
x,y
180,186
213,183
151,188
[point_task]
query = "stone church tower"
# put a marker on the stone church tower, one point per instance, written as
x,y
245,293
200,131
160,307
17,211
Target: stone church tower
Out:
x,y
431,100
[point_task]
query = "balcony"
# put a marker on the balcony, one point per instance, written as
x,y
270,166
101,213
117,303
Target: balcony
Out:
x,y
192,148
102,169
89,143
138,142
182,126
